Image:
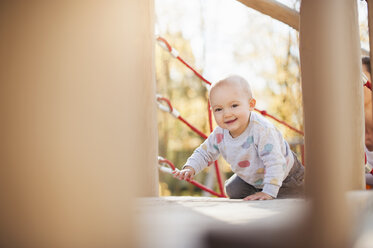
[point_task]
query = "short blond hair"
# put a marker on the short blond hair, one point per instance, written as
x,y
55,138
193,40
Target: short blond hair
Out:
x,y
234,80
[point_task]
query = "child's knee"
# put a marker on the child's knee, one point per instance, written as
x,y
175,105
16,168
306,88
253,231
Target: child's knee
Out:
x,y
231,191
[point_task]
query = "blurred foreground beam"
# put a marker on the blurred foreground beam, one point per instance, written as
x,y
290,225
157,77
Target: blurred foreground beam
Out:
x,y
333,108
78,126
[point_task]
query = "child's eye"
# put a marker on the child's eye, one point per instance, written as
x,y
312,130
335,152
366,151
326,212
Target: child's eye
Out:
x,y
235,105
217,109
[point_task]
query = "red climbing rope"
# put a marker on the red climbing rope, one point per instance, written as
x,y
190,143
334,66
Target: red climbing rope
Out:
x,y
368,167
193,128
176,114
365,81
218,176
162,162
264,113
368,85
163,43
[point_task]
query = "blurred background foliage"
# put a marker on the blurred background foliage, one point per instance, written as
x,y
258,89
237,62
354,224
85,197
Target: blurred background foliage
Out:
x,y
220,37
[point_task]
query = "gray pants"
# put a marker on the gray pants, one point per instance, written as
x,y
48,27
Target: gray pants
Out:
x,y
292,186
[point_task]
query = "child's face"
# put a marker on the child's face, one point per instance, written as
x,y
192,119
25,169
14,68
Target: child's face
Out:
x,y
231,106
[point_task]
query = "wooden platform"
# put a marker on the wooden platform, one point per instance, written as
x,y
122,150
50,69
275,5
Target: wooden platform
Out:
x,y
183,222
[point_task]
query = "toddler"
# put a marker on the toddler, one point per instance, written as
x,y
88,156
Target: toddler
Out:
x,y
264,166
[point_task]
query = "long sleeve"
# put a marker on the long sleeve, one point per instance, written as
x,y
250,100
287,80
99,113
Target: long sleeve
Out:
x,y
206,153
269,150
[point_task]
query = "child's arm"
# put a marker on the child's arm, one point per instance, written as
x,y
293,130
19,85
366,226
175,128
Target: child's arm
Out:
x,y
205,154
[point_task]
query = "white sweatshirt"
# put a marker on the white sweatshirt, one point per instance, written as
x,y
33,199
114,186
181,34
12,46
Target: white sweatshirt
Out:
x,y
260,155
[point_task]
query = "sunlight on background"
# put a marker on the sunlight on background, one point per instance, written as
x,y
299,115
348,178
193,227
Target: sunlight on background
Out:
x,y
218,38
227,37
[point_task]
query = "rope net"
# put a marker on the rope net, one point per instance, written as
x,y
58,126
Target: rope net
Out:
x,y
165,105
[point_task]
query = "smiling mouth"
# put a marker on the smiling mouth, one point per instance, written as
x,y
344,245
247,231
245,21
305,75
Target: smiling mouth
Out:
x,y
231,121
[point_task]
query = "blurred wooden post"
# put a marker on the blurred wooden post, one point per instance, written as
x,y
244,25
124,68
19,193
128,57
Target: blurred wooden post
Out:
x,y
78,126
333,107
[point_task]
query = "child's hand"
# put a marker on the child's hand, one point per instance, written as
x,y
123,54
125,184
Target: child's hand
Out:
x,y
185,174
258,196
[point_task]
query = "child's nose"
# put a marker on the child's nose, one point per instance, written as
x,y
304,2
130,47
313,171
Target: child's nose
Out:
x,y
227,112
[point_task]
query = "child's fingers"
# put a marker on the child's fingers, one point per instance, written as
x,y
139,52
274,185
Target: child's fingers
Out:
x,y
247,198
176,173
258,196
185,175
250,198
188,176
191,177
181,175
253,197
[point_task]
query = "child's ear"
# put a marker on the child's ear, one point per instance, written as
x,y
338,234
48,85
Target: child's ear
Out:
x,y
252,103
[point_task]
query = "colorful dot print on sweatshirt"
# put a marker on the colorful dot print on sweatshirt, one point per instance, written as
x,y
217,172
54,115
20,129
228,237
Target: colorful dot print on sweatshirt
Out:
x,y
259,181
248,142
216,147
267,149
244,163
204,147
260,171
274,181
219,137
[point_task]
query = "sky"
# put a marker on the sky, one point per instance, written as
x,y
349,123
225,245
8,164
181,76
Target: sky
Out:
x,y
230,38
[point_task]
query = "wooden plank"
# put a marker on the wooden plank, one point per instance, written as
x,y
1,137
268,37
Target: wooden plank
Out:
x,y
281,13
275,10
